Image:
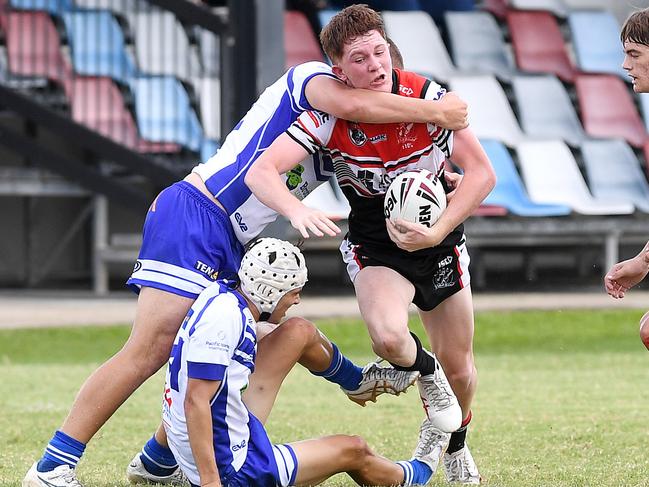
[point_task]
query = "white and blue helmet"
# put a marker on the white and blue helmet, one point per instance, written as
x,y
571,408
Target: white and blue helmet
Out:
x,y
269,269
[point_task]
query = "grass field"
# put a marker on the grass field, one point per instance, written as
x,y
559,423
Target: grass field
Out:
x,y
563,401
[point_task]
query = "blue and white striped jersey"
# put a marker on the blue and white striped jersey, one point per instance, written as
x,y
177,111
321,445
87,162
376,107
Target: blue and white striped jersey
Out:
x,y
217,342
277,107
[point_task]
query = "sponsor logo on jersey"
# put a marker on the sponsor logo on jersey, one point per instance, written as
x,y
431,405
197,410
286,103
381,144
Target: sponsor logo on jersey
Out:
x,y
405,135
406,90
206,269
378,138
240,446
294,177
137,266
445,262
240,222
356,135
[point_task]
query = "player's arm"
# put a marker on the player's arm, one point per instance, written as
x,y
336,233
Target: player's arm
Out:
x,y
330,96
478,180
199,427
264,180
626,274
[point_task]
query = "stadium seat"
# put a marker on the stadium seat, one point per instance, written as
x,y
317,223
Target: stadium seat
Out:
x,y
477,44
97,45
210,53
164,113
490,210
596,41
644,105
18,82
437,9
209,148
551,175
556,7
497,8
120,7
538,44
210,103
162,46
420,43
300,43
52,6
545,109
509,191
614,173
490,115
607,109
645,151
97,103
34,48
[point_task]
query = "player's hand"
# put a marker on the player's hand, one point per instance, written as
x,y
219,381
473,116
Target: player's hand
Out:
x,y
412,236
306,220
453,180
454,112
626,274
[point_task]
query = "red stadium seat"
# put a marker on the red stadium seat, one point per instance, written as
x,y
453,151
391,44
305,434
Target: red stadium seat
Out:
x,y
98,104
646,157
490,210
497,8
538,44
300,43
607,109
34,48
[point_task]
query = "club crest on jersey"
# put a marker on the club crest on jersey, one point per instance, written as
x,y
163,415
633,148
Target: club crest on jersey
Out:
x,y
405,135
357,136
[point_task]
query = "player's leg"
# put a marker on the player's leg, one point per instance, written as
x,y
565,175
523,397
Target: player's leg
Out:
x,y
384,297
644,330
319,459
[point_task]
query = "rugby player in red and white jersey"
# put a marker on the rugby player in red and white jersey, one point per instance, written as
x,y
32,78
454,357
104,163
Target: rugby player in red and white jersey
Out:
x,y
394,265
626,274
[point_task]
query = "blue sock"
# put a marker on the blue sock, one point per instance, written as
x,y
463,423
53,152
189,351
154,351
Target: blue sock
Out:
x,y
342,371
415,472
157,459
61,450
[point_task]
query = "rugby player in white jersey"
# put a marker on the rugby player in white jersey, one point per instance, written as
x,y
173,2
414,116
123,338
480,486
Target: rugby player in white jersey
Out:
x,y
628,273
195,229
392,266
214,430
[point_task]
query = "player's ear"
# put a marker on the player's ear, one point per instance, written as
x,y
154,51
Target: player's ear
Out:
x,y
337,70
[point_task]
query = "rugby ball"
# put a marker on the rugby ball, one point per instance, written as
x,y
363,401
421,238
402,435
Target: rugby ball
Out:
x,y
416,196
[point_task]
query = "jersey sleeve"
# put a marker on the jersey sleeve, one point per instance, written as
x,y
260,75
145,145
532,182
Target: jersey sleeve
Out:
x,y
312,130
442,138
299,76
213,338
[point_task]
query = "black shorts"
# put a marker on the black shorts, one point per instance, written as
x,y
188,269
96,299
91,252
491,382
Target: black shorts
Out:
x,y
436,276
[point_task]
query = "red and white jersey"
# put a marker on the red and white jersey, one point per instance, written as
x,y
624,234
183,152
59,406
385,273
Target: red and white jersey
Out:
x,y
367,157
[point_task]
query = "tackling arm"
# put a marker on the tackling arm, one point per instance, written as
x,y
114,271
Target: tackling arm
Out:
x,y
334,97
264,180
199,426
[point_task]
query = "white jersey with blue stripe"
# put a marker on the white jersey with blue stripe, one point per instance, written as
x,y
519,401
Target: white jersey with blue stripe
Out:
x,y
217,342
275,110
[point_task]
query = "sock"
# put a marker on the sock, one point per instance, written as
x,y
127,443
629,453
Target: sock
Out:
x,y
415,472
456,443
342,371
157,459
424,361
61,450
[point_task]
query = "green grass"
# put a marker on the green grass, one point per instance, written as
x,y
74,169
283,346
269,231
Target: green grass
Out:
x,y
562,401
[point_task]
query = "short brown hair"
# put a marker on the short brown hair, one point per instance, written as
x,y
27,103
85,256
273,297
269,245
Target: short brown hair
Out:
x,y
636,28
348,24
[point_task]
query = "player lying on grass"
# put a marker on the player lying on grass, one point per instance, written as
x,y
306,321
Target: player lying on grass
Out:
x,y
213,407
391,269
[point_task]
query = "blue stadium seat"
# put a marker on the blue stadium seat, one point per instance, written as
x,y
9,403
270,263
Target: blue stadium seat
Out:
x,y
209,148
596,41
52,6
510,191
614,172
97,45
164,113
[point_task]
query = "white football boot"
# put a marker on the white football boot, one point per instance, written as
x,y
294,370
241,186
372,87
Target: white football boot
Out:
x,y
460,468
381,380
431,445
137,474
61,476
440,403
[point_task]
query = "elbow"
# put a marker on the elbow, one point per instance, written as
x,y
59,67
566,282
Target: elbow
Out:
x,y
491,178
252,177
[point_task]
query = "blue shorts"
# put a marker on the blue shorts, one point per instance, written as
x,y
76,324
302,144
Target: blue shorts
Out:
x,y
187,240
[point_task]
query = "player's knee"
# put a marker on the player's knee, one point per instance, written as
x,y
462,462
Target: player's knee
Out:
x,y
390,345
462,376
356,451
644,330
301,330
148,354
